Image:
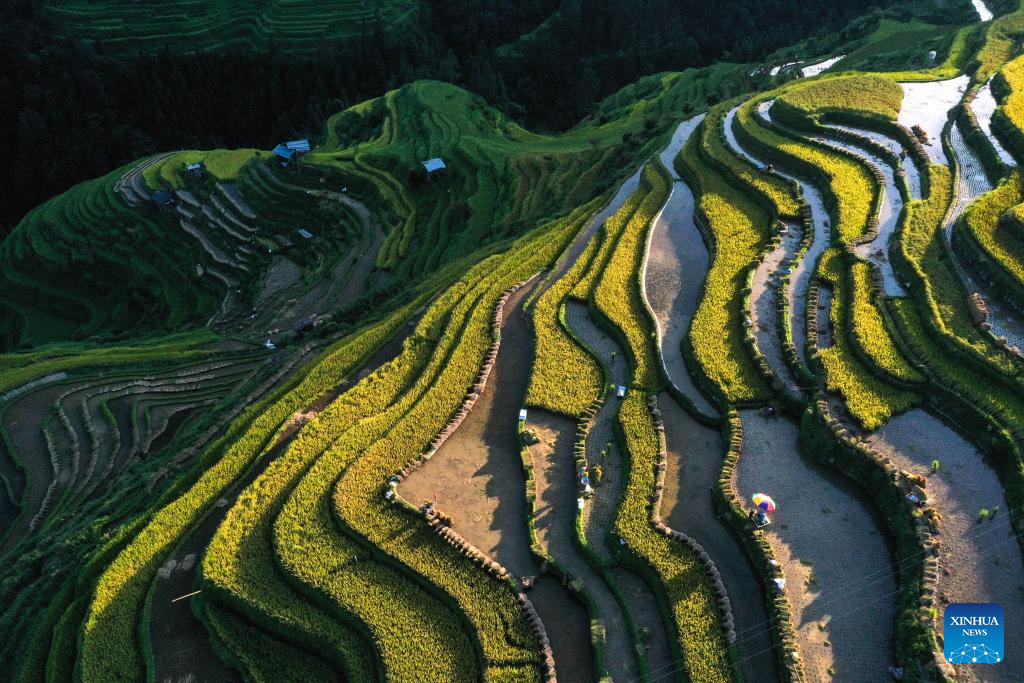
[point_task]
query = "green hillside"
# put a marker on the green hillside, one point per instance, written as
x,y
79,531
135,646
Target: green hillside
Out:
x,y
721,383
125,265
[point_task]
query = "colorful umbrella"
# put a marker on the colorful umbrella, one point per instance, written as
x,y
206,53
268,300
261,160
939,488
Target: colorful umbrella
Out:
x,y
764,502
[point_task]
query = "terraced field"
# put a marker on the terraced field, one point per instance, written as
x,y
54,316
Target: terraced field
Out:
x,y
216,23
507,423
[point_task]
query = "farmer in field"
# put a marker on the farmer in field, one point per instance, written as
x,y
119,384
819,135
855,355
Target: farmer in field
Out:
x,y
763,505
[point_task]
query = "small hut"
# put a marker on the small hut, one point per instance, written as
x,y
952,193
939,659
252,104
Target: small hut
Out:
x,y
435,168
284,154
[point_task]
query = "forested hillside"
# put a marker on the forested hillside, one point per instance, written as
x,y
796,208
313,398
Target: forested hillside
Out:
x,y
78,107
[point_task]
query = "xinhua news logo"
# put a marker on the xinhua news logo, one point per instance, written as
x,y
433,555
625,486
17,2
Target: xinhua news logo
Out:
x,y
972,633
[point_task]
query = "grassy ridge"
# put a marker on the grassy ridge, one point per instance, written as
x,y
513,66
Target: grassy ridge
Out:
x,y
739,230
497,622
108,647
851,189
565,378
867,327
780,193
868,398
1001,245
866,94
694,613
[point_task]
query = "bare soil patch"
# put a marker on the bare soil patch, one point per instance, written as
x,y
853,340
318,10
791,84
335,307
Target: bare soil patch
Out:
x,y
833,551
694,461
555,473
979,561
477,477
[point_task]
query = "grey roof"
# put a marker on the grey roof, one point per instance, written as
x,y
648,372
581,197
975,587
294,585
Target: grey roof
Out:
x,y
435,164
305,233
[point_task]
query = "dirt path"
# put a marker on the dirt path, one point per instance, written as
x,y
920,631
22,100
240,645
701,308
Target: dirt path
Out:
x,y
677,264
555,472
181,646
832,551
477,476
694,461
600,511
978,562
802,270
972,182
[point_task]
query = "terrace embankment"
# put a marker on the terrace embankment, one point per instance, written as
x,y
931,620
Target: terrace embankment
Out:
x,y
803,269
876,250
925,106
766,288
984,106
599,513
180,644
477,478
477,475
909,166
836,564
347,280
971,182
555,520
694,462
980,559
673,278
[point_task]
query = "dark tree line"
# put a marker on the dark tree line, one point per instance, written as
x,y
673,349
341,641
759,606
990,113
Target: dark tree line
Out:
x,y
71,111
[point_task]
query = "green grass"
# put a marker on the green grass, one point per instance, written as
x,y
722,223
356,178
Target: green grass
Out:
x,y
564,378
902,48
138,265
865,94
109,650
222,164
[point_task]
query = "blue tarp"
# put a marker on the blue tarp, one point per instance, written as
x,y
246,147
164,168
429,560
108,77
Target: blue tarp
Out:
x,y
298,145
434,164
